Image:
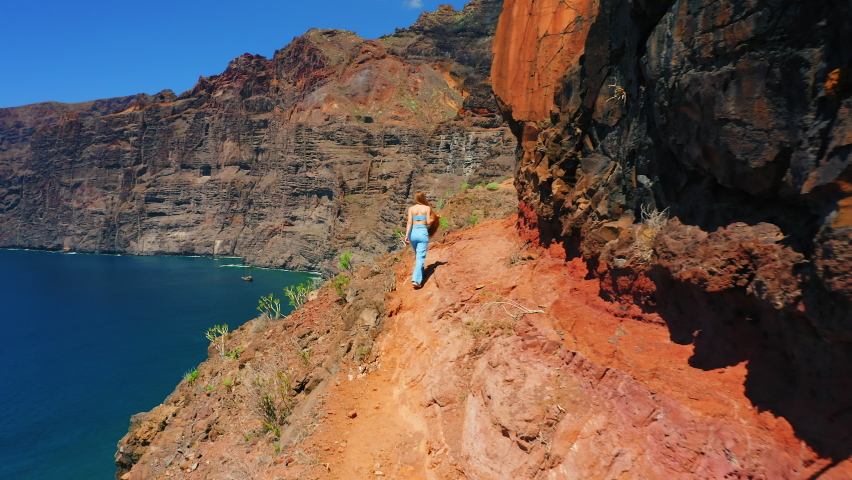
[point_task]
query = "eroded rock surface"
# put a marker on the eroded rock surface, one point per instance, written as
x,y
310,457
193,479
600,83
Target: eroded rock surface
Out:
x,y
283,161
455,380
732,119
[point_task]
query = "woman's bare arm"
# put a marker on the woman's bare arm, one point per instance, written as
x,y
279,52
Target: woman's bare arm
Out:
x,y
408,226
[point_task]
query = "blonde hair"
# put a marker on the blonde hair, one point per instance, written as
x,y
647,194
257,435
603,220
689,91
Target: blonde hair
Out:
x,y
420,198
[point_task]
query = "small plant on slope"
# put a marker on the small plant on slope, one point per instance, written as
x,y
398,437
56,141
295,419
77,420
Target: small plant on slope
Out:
x,y
618,93
345,262
398,238
272,397
216,335
653,222
493,186
340,283
299,293
270,307
236,353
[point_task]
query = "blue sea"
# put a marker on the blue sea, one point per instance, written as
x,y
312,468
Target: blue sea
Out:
x,y
86,341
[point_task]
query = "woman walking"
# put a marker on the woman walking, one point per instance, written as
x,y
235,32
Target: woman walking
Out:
x,y
420,216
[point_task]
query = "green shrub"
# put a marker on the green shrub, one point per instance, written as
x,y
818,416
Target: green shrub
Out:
x,y
478,186
305,355
269,306
345,262
465,186
208,388
236,353
398,237
474,219
274,399
444,223
191,376
340,283
299,294
493,186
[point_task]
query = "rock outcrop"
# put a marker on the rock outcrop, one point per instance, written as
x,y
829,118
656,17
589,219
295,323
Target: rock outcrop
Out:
x,y
284,161
697,155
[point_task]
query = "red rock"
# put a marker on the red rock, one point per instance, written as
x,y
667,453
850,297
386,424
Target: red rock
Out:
x,y
535,42
352,414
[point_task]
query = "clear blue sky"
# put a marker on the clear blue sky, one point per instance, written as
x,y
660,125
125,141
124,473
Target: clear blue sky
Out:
x,y
77,50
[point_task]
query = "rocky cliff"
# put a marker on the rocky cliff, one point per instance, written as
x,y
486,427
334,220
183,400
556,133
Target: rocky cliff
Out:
x,y
671,300
283,161
696,154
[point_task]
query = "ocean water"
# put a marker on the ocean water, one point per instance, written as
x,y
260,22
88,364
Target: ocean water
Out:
x,y
86,341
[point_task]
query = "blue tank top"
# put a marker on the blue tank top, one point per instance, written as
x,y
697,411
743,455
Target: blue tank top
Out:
x,y
419,218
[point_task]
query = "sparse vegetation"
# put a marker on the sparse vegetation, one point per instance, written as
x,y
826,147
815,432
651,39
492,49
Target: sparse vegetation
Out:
x,y
236,353
345,262
618,93
269,306
653,222
191,376
474,219
216,335
271,397
260,324
479,328
493,186
208,388
272,428
362,353
478,186
299,294
516,256
340,283
444,223
305,355
464,186
398,238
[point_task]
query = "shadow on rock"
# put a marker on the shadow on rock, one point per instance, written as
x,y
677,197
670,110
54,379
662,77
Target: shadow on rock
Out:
x,y
429,270
792,371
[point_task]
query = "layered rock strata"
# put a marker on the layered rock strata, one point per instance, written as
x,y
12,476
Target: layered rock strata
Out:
x,y
284,161
697,155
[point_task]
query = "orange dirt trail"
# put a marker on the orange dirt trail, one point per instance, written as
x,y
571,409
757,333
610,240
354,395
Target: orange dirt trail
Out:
x,y
458,388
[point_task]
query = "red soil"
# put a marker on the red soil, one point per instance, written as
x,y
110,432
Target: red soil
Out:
x,y
587,389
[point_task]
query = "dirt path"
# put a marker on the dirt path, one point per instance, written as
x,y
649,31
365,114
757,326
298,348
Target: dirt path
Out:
x,y
460,389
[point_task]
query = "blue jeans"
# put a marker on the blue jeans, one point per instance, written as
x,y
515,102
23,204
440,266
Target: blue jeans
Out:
x,y
419,238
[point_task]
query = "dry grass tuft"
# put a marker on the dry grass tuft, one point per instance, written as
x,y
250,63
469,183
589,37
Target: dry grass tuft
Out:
x,y
653,222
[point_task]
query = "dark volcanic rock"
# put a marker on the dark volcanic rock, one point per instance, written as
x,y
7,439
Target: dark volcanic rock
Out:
x,y
732,117
284,161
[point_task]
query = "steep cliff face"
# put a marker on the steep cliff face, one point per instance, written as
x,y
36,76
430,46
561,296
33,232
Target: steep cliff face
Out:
x,y
283,161
733,120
